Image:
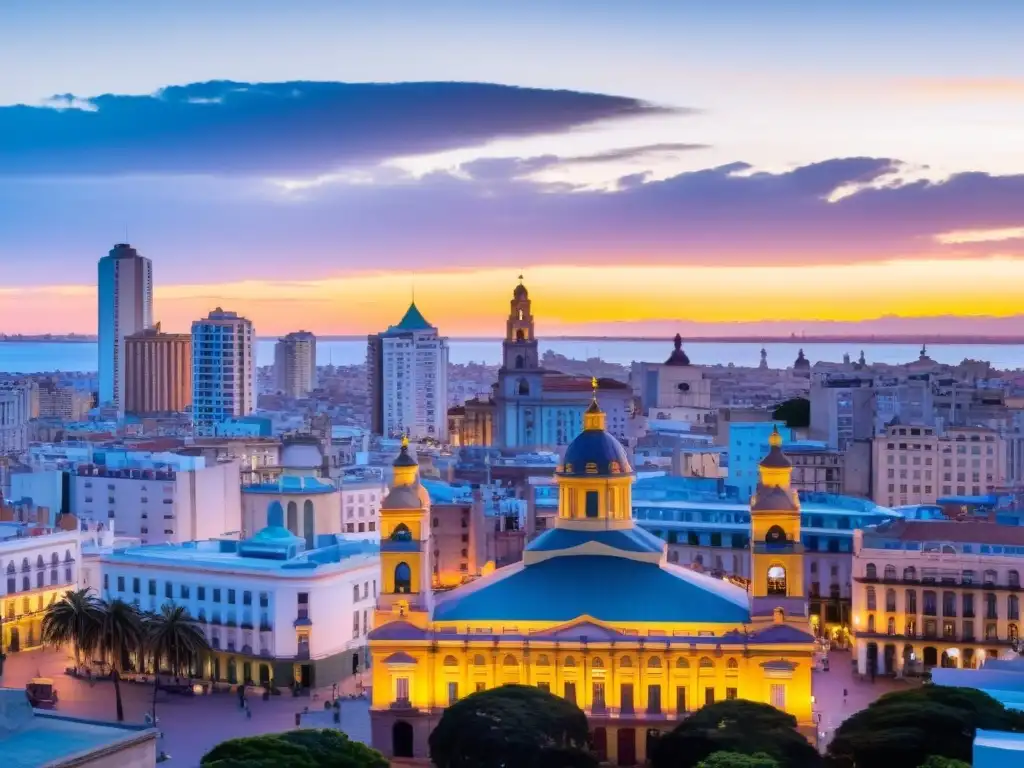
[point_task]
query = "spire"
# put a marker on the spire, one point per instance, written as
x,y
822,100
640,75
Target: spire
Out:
x,y
775,467
405,467
594,418
678,357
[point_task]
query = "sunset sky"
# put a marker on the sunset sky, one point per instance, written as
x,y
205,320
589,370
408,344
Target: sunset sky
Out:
x,y
644,165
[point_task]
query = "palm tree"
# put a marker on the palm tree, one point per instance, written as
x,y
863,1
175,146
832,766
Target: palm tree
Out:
x,y
74,619
173,635
120,633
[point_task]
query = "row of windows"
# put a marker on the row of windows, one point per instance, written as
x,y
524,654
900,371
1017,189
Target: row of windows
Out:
x,y
966,576
26,581
41,562
185,591
949,633
626,662
949,603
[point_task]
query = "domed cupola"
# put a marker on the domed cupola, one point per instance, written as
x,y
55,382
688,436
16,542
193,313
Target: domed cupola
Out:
x,y
678,357
406,491
595,452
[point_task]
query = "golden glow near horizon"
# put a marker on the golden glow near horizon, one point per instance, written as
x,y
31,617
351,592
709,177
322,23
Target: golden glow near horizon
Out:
x,y
567,299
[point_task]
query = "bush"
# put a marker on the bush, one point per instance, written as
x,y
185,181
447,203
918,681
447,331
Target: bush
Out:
x,y
738,760
514,726
294,749
738,726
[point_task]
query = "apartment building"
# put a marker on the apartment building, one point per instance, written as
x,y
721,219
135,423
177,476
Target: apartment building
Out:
x,y
915,464
930,593
223,370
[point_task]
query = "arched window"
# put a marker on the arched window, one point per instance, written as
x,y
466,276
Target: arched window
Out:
x,y
524,387
910,573
871,599
775,536
1013,578
890,627
654,662
625,662
519,361
401,533
597,663
40,563
871,623
706,663
519,314
478,660
451,661
732,664
308,523
682,663
26,585
543,660
403,578
1011,632
54,560
24,565
990,577
890,573
293,517
776,580
510,661
1013,607
870,571
569,662
890,600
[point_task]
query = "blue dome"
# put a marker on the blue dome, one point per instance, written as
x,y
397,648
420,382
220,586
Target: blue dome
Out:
x,y
599,449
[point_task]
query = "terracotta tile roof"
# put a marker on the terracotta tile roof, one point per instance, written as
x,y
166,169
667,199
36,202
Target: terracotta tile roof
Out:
x,y
964,531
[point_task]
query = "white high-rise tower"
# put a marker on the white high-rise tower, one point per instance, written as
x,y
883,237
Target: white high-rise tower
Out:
x,y
125,298
223,370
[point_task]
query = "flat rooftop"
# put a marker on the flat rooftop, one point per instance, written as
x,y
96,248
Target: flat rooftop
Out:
x,y
33,739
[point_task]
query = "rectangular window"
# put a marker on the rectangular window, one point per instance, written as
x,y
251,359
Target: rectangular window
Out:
x,y
626,696
593,508
216,595
152,587
136,585
106,582
598,698
778,697
264,599
184,592
654,699
570,692
231,597
453,693
402,690
355,624
481,687
680,699
731,693
709,695
200,593
168,590
247,598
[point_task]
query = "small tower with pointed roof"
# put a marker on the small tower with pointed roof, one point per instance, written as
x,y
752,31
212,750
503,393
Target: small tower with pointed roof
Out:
x,y
405,550
763,365
777,588
678,357
519,349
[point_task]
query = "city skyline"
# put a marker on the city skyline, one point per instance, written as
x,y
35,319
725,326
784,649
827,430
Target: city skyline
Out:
x,y
299,172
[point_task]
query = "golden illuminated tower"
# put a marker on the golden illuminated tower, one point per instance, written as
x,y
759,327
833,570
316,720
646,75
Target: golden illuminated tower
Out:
x,y
777,589
405,551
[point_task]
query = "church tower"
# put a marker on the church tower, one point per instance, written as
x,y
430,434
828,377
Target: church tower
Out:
x,y
777,570
405,547
519,349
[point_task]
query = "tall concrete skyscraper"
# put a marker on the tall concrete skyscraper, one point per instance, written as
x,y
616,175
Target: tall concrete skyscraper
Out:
x,y
125,298
223,370
158,372
295,364
407,367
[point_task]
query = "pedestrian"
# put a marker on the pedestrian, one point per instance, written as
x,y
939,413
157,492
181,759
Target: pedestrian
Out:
x,y
844,695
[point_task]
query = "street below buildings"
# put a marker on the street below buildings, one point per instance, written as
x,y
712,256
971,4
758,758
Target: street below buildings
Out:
x,y
191,725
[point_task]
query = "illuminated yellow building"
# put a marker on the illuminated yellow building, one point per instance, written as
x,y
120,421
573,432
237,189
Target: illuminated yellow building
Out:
x,y
594,613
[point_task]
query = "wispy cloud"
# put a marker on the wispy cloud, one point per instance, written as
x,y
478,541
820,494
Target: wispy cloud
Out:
x,y
967,236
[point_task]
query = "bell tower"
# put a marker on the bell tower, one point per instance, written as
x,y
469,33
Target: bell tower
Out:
x,y
777,554
405,547
520,345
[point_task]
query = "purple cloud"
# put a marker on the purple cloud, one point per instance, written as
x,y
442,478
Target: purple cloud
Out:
x,y
225,127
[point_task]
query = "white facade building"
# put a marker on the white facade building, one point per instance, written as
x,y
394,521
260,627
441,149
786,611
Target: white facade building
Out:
x,y
125,299
360,507
162,498
223,369
408,366
16,399
35,571
272,611
295,364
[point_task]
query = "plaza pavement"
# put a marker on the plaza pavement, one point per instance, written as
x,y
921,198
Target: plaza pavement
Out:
x,y
191,725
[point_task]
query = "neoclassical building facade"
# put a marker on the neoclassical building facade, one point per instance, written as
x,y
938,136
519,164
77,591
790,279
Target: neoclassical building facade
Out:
x,y
594,613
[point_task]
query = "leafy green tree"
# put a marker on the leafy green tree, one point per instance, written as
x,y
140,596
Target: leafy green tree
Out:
x,y
935,761
737,725
119,635
513,726
909,727
796,412
171,636
738,760
73,620
294,749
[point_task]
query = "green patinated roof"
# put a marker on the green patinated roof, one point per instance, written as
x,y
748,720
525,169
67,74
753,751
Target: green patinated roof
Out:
x,y
413,320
